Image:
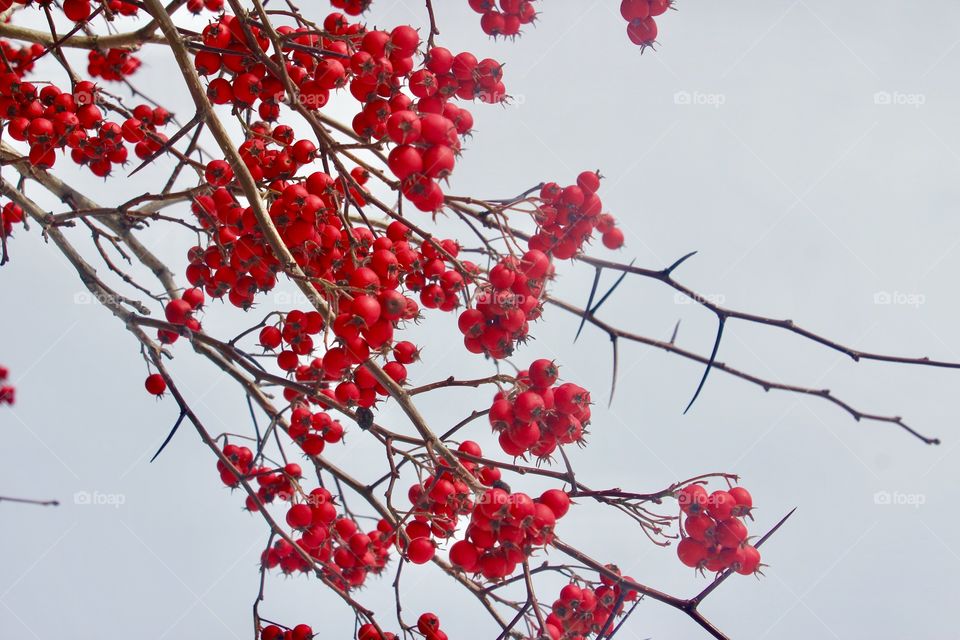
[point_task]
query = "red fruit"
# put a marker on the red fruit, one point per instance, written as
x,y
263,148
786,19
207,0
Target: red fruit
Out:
x,y
301,632
731,533
270,337
743,499
421,550
155,384
178,310
658,7
428,623
77,10
543,373
750,562
464,555
634,9
405,161
720,505
194,297
613,239
528,406
692,552
557,500
300,516
700,527
642,32
692,498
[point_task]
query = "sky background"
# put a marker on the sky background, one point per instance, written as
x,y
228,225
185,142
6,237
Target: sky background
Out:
x,y
808,150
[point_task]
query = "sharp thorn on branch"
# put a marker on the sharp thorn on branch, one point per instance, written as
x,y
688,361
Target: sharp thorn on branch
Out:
x,y
713,357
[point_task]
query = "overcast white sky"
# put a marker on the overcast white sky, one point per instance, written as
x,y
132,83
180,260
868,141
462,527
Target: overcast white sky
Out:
x,y
756,136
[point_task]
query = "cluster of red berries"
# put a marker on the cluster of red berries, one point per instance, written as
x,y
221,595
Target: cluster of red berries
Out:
x,y
439,501
503,309
179,311
374,65
274,483
506,19
81,10
10,214
197,6
241,458
51,119
346,554
640,14
566,218
505,529
428,132
583,610
20,59
373,270
7,392
428,624
351,7
537,416
115,64
299,632
313,431
715,536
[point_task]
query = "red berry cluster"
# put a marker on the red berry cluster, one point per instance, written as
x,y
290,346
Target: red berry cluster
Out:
x,y
715,536
115,64
179,311
537,416
439,501
299,632
640,14
197,6
351,7
506,19
313,431
503,309
346,554
505,528
240,457
274,483
7,392
52,119
374,64
10,214
583,610
80,10
20,59
567,217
